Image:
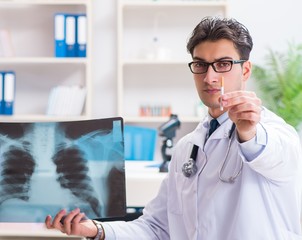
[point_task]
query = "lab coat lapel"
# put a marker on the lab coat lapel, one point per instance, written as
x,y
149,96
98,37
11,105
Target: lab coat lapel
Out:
x,y
199,134
223,131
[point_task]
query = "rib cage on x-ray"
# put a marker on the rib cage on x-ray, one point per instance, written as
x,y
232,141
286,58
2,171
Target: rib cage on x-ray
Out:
x,y
73,176
53,164
17,168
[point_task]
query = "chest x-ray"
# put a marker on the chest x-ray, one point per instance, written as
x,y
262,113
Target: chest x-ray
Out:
x,y
45,167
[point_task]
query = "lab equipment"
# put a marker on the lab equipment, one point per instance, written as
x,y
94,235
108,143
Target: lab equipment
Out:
x,y
168,130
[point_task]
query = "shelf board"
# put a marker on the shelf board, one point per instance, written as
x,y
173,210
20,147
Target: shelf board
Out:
x,y
187,119
41,60
154,62
175,3
40,118
44,2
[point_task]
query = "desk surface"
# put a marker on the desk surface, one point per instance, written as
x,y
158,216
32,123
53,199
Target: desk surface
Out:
x,y
141,177
33,231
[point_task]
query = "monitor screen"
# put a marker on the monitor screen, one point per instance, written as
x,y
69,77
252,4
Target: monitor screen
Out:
x,y
49,166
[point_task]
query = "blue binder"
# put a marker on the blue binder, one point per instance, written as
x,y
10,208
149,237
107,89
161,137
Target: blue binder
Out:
x,y
81,35
1,93
60,32
9,92
70,39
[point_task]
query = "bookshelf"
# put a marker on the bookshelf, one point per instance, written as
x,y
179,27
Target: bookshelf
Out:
x,y
31,27
152,59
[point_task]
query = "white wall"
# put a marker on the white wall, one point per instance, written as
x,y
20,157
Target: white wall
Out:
x,y
272,23
104,58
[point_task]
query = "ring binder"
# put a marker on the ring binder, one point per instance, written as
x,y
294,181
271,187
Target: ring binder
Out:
x,y
60,45
9,93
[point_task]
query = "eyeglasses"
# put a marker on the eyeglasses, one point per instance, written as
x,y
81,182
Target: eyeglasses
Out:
x,y
200,67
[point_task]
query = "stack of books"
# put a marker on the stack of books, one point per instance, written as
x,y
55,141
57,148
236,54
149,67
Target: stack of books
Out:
x,y
6,45
66,101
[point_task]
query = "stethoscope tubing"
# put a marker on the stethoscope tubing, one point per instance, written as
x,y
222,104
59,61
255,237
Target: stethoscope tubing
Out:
x,y
189,168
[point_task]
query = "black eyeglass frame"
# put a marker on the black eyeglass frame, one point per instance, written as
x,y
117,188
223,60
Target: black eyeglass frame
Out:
x,y
212,64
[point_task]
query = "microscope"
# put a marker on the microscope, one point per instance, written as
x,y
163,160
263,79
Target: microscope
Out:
x,y
168,130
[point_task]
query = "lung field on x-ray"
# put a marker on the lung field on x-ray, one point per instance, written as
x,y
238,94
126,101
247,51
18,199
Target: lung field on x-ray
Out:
x,y
72,173
45,167
17,167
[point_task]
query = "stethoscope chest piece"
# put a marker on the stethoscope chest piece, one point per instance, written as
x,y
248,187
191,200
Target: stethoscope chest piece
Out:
x,y
189,168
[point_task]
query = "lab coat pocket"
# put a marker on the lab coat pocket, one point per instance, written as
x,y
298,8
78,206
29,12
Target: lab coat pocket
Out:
x,y
175,189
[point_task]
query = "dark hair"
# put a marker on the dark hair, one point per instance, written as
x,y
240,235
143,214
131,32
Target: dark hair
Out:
x,y
214,28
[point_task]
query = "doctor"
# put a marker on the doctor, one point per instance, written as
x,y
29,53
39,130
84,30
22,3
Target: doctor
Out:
x,y
241,182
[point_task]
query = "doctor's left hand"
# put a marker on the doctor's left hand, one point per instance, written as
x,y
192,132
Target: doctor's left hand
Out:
x,y
73,223
244,109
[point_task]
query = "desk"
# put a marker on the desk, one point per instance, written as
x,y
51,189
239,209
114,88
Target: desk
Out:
x,y
142,184
30,231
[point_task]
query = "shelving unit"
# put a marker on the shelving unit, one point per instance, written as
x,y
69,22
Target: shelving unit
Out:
x,y
152,57
31,25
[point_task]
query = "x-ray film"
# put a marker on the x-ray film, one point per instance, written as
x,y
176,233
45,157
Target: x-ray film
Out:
x,y
49,166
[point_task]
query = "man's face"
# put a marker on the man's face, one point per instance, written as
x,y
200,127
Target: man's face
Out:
x,y
208,84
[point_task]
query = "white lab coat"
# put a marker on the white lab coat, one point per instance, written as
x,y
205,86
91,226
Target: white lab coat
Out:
x,y
263,203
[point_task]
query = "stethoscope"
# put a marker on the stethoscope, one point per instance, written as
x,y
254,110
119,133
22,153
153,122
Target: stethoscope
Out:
x,y
189,168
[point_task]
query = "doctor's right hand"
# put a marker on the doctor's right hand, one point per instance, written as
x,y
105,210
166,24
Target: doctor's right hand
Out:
x,y
244,109
73,223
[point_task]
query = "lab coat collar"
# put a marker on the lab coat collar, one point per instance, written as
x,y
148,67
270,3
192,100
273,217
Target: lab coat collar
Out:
x,y
200,133
221,119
